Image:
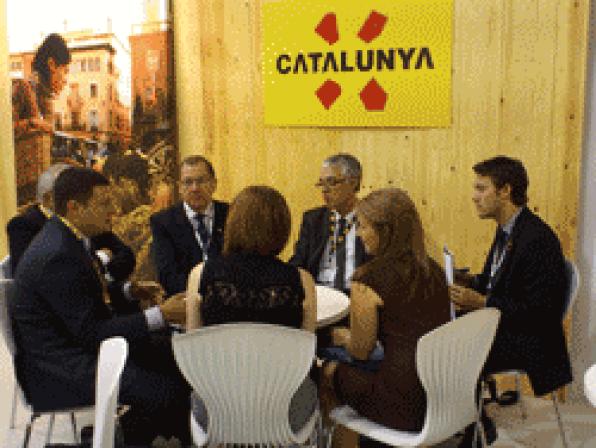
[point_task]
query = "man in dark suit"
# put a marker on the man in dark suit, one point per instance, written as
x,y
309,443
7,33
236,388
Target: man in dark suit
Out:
x,y
524,277
192,230
327,245
119,262
59,318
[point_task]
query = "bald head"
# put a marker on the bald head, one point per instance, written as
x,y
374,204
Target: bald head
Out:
x,y
46,181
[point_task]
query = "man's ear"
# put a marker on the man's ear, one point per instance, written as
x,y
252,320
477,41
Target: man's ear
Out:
x,y
72,206
505,192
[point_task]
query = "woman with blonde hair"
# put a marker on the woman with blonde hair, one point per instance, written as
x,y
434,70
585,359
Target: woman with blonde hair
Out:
x,y
248,283
397,297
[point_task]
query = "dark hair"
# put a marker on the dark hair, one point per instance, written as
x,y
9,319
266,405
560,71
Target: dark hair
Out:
x,y
196,160
258,222
53,47
131,167
504,170
394,217
76,184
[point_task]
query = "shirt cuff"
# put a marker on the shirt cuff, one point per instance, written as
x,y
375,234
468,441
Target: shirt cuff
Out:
x,y
105,259
155,320
126,291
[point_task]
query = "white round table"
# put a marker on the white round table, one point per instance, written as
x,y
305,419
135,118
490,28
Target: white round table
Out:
x,y
332,305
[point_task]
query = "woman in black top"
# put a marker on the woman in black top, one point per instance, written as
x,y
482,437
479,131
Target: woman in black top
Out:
x,y
248,283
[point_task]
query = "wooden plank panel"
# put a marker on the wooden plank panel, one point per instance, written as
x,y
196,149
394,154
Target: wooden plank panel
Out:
x,y
515,87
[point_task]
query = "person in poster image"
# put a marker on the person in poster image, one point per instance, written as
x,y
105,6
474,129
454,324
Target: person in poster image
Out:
x,y
32,99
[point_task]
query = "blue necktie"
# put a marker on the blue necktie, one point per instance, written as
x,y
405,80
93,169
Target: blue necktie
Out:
x,y
203,232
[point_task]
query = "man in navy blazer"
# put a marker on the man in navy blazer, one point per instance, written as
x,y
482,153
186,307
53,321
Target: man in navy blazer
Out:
x,y
190,231
22,228
523,276
59,316
327,245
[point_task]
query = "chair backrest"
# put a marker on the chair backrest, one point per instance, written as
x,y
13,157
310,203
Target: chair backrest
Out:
x,y
449,360
112,357
5,270
573,279
590,385
246,374
6,291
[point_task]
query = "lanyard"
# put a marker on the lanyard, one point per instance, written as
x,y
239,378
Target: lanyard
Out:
x,y
496,265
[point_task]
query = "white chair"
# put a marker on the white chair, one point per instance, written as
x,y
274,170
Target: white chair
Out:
x,y
449,360
112,357
246,374
573,278
590,385
6,290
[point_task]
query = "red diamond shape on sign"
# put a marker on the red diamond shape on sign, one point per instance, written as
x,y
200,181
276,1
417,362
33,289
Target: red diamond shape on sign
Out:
x,y
373,96
328,93
327,28
372,27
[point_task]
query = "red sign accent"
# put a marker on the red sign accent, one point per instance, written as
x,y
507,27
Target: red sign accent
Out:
x,y
372,27
373,96
328,93
327,28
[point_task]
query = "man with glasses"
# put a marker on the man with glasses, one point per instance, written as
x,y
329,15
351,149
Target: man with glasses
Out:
x,y
327,246
191,231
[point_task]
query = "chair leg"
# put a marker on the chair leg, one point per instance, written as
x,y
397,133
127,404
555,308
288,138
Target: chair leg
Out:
x,y
28,429
13,414
561,429
524,412
478,426
330,432
50,428
73,422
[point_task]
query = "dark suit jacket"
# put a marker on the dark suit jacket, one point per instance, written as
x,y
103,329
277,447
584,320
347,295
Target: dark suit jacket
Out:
x,y
59,318
175,249
22,229
314,234
529,290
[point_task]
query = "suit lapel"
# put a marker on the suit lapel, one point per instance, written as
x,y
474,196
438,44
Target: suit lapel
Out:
x,y
187,234
320,240
509,247
219,221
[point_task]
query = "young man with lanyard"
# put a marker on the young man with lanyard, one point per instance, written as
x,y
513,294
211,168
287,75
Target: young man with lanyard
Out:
x,y
523,276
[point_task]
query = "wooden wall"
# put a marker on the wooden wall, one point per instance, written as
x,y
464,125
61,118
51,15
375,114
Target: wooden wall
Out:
x,y
518,89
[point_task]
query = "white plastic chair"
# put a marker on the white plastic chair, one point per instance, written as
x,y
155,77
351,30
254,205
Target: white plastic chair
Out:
x,y
6,290
573,278
449,360
246,374
112,357
590,385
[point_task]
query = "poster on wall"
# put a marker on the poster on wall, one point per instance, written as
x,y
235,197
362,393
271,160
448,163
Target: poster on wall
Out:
x,y
92,86
361,64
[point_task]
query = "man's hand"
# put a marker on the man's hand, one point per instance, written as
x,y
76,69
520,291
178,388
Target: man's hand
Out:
x,y
466,298
174,309
147,293
463,278
340,336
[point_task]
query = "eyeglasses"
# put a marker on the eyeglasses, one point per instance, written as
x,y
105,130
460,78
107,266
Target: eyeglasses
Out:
x,y
189,181
330,182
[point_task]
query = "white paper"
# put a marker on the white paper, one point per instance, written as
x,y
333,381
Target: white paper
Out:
x,y
448,265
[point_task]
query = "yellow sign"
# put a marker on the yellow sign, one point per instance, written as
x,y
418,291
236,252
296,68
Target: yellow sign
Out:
x,y
357,62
